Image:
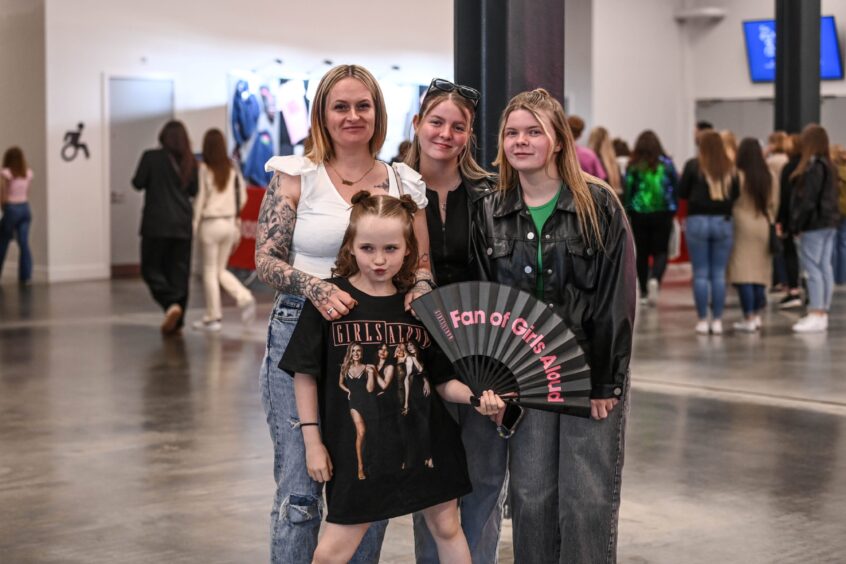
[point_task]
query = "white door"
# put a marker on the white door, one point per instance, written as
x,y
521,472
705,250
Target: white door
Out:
x,y
138,108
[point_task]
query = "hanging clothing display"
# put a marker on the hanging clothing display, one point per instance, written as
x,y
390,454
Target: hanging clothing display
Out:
x,y
260,153
245,113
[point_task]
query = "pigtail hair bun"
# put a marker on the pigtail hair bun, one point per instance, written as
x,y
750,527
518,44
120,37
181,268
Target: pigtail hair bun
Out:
x,y
359,197
408,204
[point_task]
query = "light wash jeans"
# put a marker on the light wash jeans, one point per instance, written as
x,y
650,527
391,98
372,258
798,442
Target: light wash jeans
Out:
x,y
565,474
709,239
481,510
815,250
298,506
840,253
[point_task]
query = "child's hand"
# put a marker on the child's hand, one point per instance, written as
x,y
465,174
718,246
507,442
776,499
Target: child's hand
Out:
x,y
318,463
490,404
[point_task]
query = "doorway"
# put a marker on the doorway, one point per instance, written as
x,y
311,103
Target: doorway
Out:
x,y
138,108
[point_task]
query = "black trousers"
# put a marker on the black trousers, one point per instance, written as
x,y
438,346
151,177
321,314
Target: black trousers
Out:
x,y
166,268
652,238
791,261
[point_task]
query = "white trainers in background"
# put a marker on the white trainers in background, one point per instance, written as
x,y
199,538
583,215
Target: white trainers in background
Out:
x,y
702,327
652,290
745,326
812,323
210,326
717,327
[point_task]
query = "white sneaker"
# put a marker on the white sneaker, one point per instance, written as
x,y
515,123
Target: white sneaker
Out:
x,y
717,327
811,324
652,290
248,312
758,323
210,326
702,327
745,326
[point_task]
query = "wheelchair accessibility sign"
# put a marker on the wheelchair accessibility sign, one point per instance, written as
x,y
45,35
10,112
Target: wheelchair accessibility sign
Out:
x,y
72,145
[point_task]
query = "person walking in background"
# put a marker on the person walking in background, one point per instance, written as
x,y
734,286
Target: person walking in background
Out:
x,y
587,158
221,197
15,180
651,202
839,160
442,152
168,177
599,142
776,155
750,264
710,185
622,152
793,297
814,217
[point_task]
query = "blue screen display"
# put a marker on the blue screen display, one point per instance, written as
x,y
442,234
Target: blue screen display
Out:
x,y
761,46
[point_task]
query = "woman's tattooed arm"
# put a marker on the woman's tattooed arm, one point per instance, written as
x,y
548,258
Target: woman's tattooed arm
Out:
x,y
274,235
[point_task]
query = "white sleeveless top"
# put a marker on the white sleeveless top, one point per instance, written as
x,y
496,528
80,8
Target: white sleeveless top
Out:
x,y
323,215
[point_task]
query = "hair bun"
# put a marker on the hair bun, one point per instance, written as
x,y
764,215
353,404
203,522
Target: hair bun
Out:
x,y
359,197
408,204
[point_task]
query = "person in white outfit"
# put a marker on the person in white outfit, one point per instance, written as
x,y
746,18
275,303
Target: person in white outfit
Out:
x,y
222,196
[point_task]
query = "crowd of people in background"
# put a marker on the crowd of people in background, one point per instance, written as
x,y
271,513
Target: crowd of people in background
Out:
x,y
756,217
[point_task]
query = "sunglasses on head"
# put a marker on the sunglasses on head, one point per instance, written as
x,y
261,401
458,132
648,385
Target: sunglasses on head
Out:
x,y
446,86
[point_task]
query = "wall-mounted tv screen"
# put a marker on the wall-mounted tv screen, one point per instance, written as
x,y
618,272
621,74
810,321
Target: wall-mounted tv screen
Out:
x,y
761,46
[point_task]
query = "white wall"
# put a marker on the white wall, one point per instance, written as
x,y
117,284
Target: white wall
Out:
x,y
578,59
197,44
638,72
22,120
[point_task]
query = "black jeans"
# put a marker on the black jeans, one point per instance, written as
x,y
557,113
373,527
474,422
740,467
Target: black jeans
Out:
x,y
166,267
791,261
652,237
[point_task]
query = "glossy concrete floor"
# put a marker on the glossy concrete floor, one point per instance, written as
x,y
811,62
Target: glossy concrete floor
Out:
x,y
119,446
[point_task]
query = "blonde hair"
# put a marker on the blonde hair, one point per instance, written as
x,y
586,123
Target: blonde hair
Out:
x,y
380,205
715,165
539,102
467,165
600,141
320,148
730,143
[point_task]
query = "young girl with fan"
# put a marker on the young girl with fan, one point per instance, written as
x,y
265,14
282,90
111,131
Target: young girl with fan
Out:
x,y
562,235
376,267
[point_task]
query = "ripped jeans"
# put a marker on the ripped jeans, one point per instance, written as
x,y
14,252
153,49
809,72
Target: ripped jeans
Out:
x,y
298,505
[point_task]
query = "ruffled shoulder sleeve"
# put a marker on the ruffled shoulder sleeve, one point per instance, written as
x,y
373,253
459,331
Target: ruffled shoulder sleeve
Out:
x,y
412,184
292,165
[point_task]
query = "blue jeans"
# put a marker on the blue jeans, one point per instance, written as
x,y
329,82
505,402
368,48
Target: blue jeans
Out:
x,y
840,253
15,225
709,239
298,505
481,510
565,474
753,297
815,250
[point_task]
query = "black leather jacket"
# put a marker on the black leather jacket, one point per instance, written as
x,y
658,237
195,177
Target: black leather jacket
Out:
x,y
813,200
592,289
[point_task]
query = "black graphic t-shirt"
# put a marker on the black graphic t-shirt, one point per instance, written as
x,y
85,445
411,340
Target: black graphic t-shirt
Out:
x,y
377,369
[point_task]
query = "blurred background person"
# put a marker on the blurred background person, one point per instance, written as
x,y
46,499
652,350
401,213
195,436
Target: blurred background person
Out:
x,y
776,155
651,200
15,180
750,264
709,184
790,253
402,152
168,177
701,127
814,217
599,142
622,152
730,142
221,197
839,160
587,158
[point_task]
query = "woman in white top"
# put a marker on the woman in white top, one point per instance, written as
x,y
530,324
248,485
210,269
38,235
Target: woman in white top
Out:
x,y
15,179
301,224
221,197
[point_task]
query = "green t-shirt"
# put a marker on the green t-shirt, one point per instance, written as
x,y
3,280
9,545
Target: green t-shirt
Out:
x,y
539,215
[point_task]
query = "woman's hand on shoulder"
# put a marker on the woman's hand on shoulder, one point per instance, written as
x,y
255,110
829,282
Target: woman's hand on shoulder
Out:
x,y
332,302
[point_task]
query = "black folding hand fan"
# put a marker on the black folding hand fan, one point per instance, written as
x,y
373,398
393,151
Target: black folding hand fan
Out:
x,y
503,339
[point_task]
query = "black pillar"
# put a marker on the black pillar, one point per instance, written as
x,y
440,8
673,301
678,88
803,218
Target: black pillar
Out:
x,y
797,83
503,47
